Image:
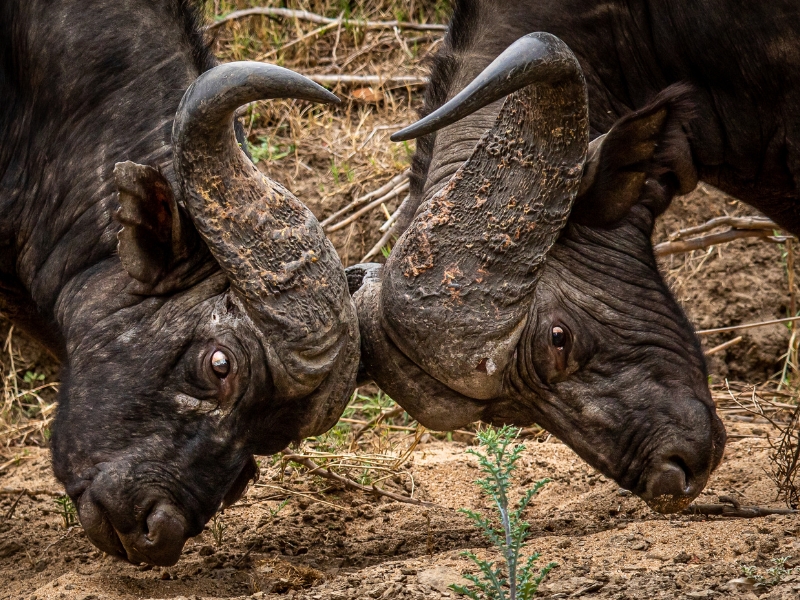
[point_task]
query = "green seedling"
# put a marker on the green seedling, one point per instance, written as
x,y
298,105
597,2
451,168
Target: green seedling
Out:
x,y
509,581
273,512
774,575
218,527
67,511
267,151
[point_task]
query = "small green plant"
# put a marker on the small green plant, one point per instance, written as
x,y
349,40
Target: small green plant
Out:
x,y
267,151
774,575
67,511
273,512
498,464
342,173
218,527
32,378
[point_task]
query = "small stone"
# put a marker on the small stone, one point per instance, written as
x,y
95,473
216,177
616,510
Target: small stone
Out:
x,y
682,558
9,548
440,578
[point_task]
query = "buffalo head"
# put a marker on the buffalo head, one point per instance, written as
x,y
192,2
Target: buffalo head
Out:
x,y
228,332
525,289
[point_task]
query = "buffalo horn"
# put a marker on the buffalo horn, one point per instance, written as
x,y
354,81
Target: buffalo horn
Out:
x,y
457,286
283,271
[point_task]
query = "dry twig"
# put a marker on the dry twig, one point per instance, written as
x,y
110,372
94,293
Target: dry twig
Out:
x,y
315,469
746,326
6,491
381,191
381,80
740,227
305,15
731,508
784,465
724,345
377,247
403,187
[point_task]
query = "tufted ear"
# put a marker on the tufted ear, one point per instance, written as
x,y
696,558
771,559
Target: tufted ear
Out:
x,y
151,239
645,156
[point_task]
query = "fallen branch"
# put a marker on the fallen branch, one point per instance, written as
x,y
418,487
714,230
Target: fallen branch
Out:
x,y
733,222
698,243
369,79
314,468
746,326
403,187
733,509
394,181
305,15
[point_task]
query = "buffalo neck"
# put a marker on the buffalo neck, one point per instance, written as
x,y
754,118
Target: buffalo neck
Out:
x,y
81,113
629,51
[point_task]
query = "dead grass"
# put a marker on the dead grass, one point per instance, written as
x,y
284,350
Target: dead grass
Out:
x,y
330,155
28,394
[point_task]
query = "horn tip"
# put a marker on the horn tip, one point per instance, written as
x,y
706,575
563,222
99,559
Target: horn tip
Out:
x,y
332,98
404,134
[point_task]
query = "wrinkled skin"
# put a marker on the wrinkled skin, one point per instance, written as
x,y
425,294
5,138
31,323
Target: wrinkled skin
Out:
x,y
581,334
179,361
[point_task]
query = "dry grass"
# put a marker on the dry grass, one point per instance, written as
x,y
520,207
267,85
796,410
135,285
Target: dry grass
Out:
x,y
775,408
27,404
330,155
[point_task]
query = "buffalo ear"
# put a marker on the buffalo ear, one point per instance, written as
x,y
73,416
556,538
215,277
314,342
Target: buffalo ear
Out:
x,y
150,240
645,157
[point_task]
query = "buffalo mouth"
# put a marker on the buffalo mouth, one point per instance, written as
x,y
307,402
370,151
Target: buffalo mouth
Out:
x,y
97,525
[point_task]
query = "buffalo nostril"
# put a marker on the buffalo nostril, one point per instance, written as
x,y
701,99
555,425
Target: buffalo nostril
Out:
x,y
671,486
687,473
163,536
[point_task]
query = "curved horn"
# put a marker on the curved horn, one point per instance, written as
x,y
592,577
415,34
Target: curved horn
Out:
x,y
537,58
456,288
281,267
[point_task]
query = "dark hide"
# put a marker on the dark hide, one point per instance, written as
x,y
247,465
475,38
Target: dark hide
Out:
x,y
171,380
741,59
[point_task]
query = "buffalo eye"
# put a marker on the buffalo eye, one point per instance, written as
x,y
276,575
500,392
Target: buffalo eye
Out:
x,y
559,337
220,364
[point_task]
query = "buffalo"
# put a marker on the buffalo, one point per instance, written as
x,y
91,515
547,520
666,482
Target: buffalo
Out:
x,y
524,287
198,311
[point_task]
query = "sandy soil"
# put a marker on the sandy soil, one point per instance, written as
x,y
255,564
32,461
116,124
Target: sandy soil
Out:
x,y
343,545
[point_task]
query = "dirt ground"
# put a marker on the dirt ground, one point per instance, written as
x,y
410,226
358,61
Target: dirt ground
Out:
x,y
328,543
342,545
